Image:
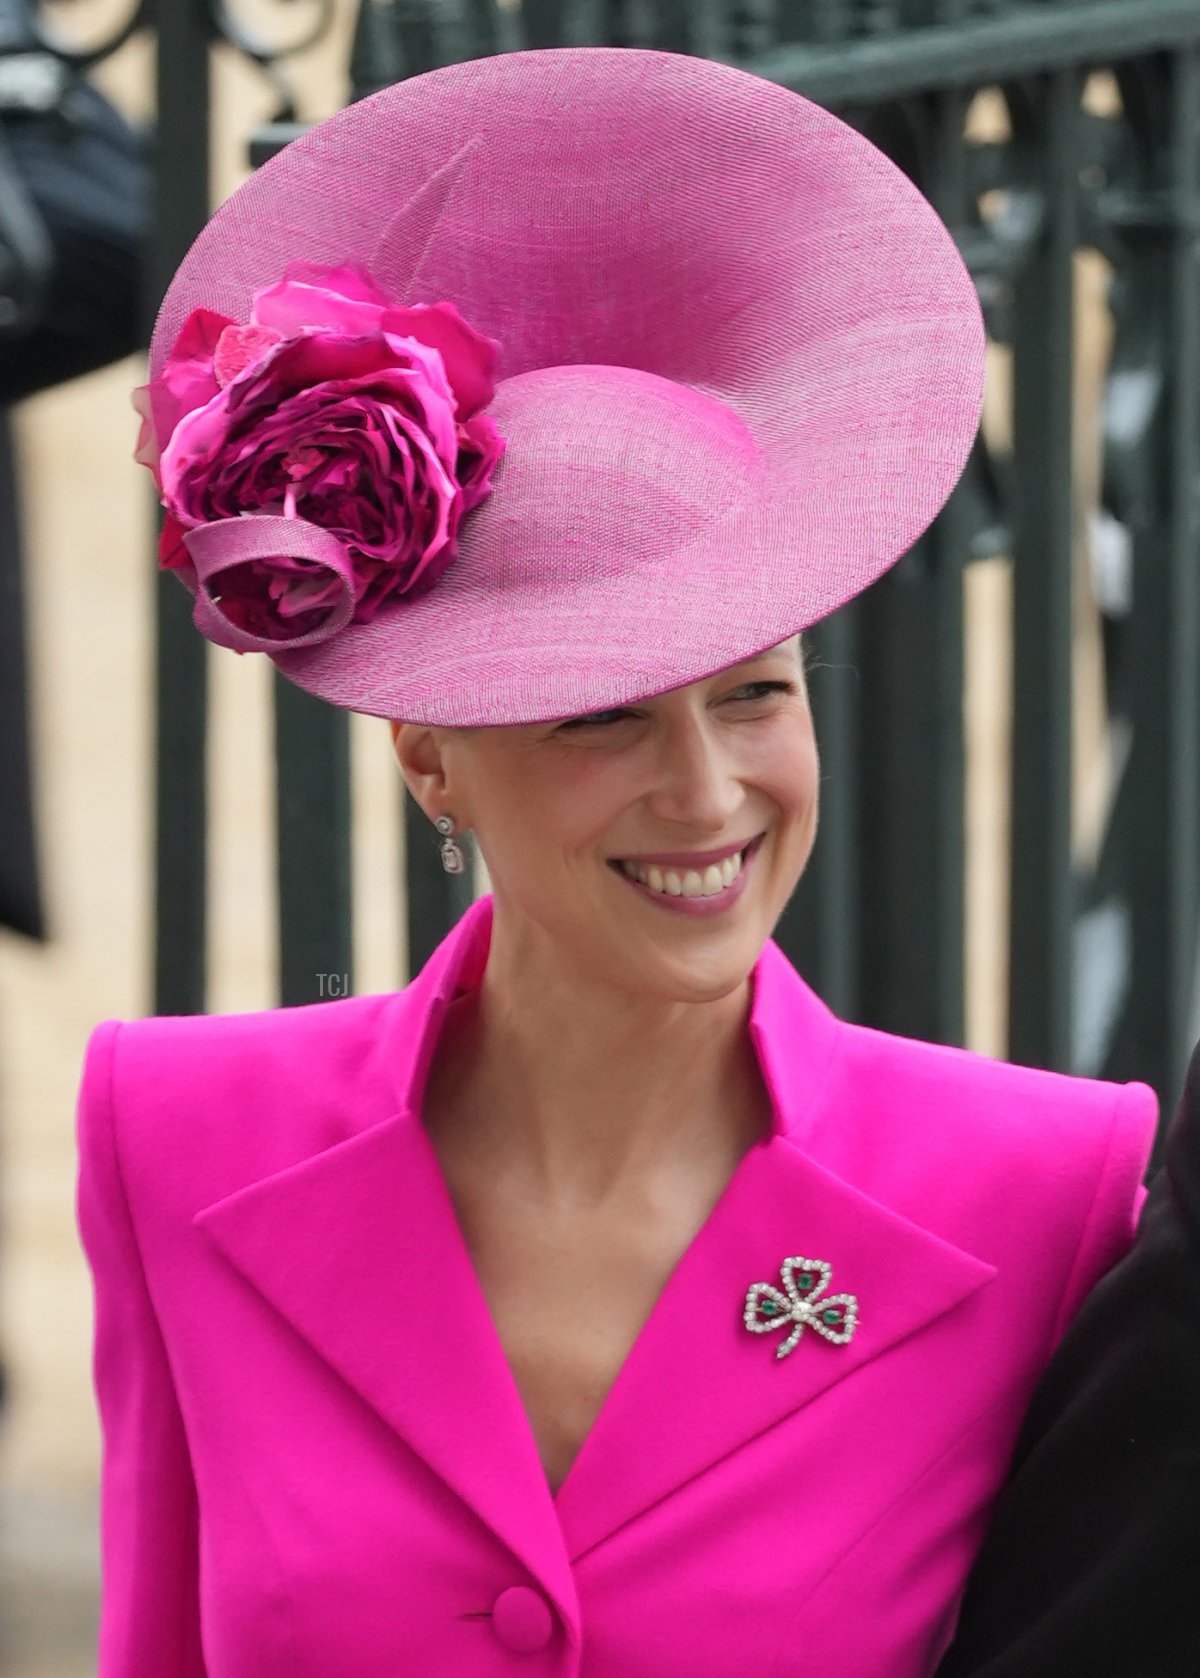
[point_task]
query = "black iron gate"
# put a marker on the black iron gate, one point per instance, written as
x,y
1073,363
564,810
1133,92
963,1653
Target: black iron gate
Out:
x,y
1103,951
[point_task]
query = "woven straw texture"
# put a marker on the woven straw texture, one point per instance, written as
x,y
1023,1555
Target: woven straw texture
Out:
x,y
741,365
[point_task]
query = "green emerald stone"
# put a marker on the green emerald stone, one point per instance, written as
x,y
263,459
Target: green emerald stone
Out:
x,y
769,1308
806,1283
831,1317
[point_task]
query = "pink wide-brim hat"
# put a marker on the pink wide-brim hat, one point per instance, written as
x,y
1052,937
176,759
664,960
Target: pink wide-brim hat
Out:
x,y
741,365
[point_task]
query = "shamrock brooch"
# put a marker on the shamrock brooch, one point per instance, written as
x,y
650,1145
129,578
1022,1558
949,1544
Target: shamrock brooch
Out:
x,y
803,1303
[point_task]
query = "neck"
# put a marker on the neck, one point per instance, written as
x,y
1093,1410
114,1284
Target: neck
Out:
x,y
580,1091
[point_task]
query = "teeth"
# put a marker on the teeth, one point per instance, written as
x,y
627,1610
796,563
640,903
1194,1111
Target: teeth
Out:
x,y
718,877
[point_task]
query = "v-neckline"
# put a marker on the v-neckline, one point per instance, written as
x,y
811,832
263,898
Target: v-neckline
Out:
x,y
768,1128
812,1035
466,1262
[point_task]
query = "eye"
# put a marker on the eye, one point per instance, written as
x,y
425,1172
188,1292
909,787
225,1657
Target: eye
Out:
x,y
749,692
760,690
594,719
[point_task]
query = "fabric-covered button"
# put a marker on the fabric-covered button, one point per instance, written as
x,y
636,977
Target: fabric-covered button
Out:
x,y
522,1619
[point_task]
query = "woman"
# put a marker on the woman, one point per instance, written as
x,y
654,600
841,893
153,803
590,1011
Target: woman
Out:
x,y
599,1304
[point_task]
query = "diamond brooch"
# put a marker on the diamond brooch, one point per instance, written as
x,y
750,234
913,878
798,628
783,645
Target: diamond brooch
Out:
x,y
803,1303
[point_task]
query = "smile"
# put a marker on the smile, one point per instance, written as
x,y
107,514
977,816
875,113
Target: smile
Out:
x,y
691,890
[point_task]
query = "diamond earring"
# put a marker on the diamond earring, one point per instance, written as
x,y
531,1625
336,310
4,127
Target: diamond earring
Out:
x,y
453,860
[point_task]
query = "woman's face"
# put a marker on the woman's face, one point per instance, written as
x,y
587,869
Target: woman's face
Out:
x,y
557,808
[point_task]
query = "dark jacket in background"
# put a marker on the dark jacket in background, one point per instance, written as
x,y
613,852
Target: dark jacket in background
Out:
x,y
1091,1568
74,207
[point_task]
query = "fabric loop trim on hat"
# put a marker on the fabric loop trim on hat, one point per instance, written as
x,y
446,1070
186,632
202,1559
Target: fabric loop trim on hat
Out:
x,y
224,543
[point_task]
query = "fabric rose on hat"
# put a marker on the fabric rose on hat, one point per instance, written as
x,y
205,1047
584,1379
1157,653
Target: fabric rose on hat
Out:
x,y
333,406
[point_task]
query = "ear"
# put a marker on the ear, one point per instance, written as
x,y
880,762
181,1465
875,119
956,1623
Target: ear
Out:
x,y
418,751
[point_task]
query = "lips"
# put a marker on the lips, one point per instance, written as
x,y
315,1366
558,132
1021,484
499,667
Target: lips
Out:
x,y
667,889
699,860
630,871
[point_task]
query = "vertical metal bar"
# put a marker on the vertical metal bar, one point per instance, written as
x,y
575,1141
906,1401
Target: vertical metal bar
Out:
x,y
1161,794
897,766
497,28
911,754
751,27
568,23
414,27
312,846
1182,648
708,27
22,895
879,17
819,927
680,27
950,539
375,59
180,207
909,763
1041,916
948,1005
399,38
662,24
829,21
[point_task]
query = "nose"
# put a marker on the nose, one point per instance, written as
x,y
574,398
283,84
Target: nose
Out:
x,y
697,785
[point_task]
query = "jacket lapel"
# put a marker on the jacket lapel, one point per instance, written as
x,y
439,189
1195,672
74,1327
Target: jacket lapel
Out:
x,y
375,1275
358,1248
708,1384
698,1386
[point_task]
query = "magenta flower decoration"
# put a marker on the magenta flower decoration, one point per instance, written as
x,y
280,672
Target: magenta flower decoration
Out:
x,y
320,458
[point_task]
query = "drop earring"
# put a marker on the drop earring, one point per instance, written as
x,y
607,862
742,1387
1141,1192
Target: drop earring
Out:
x,y
453,860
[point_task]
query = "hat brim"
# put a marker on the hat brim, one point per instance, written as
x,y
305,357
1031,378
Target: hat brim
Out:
x,y
655,241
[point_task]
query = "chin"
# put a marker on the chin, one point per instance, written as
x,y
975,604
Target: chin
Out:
x,y
709,971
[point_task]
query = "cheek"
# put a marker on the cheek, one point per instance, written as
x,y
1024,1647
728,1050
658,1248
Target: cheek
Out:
x,y
811,770
587,791
812,788
809,791
534,823
790,769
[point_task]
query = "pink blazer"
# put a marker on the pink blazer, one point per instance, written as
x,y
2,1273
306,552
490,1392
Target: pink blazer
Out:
x,y
316,1462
